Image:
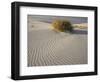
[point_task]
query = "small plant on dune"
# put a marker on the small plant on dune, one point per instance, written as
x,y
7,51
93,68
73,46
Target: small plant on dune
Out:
x,y
62,25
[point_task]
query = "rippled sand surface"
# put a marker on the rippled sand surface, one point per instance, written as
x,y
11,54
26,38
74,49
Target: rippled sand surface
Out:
x,y
47,47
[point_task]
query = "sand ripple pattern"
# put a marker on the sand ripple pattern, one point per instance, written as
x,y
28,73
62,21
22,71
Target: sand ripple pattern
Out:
x,y
47,48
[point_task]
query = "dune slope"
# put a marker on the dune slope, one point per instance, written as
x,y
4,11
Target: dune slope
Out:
x,y
47,47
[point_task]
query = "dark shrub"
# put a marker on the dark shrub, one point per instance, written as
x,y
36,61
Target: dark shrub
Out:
x,y
62,25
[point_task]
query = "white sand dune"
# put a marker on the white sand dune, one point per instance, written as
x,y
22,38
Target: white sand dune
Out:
x,y
81,25
47,47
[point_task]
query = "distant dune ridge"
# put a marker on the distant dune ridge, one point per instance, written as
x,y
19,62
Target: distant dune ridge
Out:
x,y
49,19
47,47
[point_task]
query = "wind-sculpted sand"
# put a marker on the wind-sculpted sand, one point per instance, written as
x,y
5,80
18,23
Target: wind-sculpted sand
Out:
x,y
47,47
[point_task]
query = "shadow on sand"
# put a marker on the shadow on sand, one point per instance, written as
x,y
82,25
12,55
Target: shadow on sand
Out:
x,y
79,32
